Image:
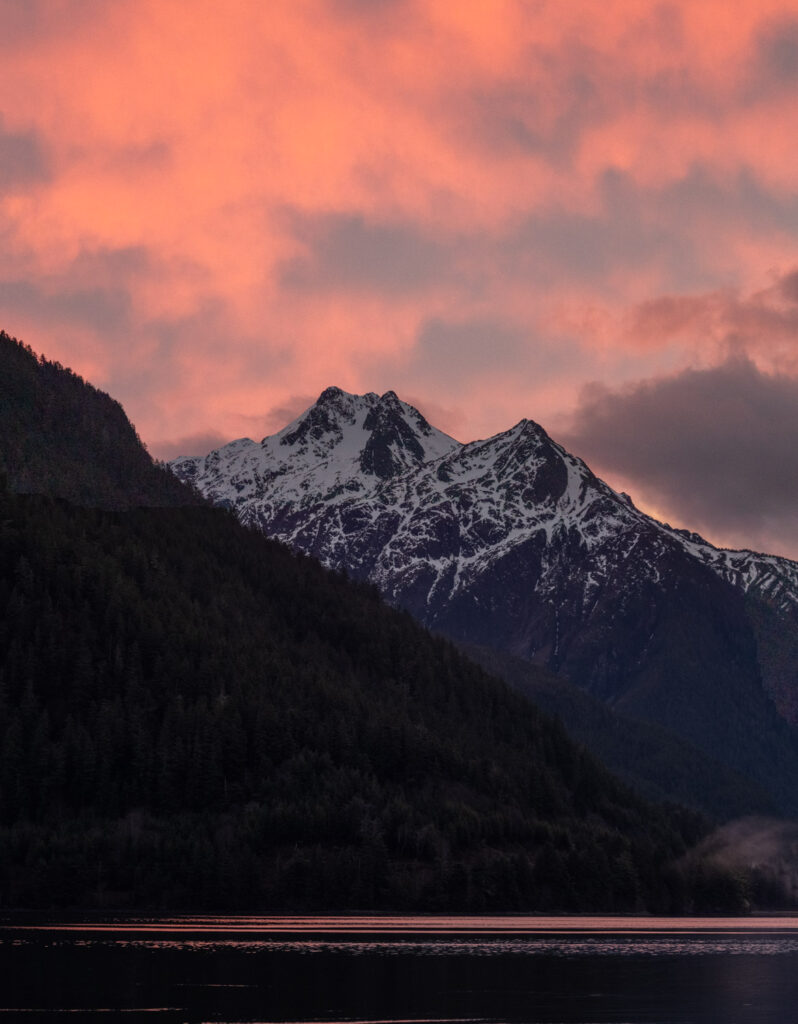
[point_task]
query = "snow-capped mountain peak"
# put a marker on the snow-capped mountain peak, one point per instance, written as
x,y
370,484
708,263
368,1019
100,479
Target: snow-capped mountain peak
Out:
x,y
342,445
510,542
325,423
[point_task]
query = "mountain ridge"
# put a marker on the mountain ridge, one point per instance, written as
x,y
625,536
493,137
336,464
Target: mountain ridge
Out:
x,y
194,717
514,543
745,568
62,436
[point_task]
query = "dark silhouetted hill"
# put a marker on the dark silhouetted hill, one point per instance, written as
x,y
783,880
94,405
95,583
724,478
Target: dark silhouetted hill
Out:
x,y
194,717
64,437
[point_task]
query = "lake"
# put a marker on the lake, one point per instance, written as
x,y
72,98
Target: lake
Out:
x,y
385,970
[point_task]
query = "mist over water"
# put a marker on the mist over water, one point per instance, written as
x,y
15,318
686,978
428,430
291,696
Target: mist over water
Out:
x,y
383,970
766,845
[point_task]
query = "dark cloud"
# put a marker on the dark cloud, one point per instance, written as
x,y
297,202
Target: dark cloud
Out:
x,y
23,159
517,117
94,291
570,90
669,227
256,427
634,226
463,354
281,415
669,316
23,22
347,251
370,8
788,287
192,444
775,63
718,447
105,310
625,232
700,197
126,262
456,351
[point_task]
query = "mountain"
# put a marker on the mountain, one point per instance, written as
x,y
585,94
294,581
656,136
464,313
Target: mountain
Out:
x,y
195,717
62,436
513,544
658,764
343,446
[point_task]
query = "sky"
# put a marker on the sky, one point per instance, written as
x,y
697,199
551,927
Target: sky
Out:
x,y
581,213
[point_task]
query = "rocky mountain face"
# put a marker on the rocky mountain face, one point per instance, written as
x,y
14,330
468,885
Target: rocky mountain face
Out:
x,y
513,544
341,448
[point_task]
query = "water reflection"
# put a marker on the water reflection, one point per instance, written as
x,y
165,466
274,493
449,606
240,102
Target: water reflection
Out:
x,y
396,970
418,925
427,936
428,924
567,947
498,924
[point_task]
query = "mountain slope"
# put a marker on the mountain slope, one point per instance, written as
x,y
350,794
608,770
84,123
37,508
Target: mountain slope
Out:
x,y
513,543
59,435
192,716
343,445
657,763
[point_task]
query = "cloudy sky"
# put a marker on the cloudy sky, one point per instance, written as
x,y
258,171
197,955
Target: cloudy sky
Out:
x,y
583,213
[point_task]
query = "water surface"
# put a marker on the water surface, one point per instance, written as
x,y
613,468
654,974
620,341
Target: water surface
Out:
x,y
390,970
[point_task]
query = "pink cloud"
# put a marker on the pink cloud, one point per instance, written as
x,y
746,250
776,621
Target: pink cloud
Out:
x,y
608,190
762,324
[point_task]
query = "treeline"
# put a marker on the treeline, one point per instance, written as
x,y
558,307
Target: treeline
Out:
x,y
192,717
60,435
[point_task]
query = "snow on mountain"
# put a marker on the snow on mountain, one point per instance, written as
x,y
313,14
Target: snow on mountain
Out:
x,y
364,482
513,543
770,576
341,446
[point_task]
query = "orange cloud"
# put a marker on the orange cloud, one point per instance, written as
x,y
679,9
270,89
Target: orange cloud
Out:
x,y
371,194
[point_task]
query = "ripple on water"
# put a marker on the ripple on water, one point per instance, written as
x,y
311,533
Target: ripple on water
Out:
x,y
568,946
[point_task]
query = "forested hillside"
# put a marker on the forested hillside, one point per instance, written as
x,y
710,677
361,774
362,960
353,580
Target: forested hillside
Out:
x,y
195,717
658,764
60,435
